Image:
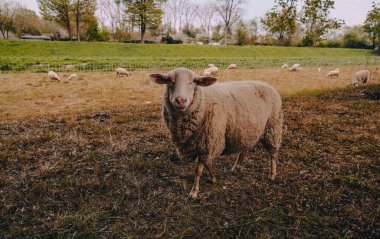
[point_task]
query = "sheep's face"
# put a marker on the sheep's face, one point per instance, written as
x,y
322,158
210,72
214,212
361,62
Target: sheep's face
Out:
x,y
181,84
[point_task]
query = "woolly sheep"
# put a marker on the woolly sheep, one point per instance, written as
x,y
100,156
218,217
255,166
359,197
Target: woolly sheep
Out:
x,y
210,65
333,73
122,72
206,72
207,120
53,76
295,67
360,77
232,67
73,77
213,70
285,66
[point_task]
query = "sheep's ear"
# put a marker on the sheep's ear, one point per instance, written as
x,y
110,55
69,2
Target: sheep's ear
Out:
x,y
159,78
204,80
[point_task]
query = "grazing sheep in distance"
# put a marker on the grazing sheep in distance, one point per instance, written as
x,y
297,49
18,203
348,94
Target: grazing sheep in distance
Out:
x,y
210,65
333,73
232,67
285,66
295,67
122,72
213,70
360,77
53,76
207,120
206,72
73,77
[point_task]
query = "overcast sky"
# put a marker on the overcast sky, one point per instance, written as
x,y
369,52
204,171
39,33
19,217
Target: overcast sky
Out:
x,y
353,12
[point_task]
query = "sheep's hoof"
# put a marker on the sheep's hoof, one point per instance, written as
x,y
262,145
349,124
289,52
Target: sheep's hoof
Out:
x,y
193,194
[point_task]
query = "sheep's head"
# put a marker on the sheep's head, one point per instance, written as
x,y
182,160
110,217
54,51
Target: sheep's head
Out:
x,y
181,84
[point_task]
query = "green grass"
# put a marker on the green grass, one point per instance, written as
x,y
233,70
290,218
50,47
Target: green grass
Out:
x,y
18,56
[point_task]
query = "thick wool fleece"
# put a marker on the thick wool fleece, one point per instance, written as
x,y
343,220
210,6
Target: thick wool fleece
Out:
x,y
225,118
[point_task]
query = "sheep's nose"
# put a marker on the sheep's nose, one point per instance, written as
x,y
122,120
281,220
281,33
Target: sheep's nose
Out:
x,y
180,100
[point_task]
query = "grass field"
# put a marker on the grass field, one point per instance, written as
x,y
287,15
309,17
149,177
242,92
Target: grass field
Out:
x,y
106,173
32,56
25,95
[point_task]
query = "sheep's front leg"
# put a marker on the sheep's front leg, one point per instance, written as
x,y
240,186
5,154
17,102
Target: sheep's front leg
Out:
x,y
198,172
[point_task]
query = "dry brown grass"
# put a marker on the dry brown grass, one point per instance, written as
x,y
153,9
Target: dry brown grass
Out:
x,y
24,95
90,159
106,173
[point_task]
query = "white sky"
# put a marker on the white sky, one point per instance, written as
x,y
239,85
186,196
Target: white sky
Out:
x,y
353,12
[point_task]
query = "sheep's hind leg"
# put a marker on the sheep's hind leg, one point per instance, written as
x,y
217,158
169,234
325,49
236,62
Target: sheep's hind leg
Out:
x,y
273,164
211,171
198,172
237,165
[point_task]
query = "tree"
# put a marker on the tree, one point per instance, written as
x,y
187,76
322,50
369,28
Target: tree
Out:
x,y
205,15
315,17
241,33
58,11
372,23
80,8
27,22
229,11
281,20
111,12
8,12
146,13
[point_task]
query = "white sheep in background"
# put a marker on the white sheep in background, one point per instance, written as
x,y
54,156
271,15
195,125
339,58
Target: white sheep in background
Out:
x,y
122,72
334,73
53,76
73,77
207,120
206,72
213,70
295,67
362,77
210,65
285,66
319,69
232,67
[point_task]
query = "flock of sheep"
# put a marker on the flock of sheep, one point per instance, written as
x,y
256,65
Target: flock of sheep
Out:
x,y
358,77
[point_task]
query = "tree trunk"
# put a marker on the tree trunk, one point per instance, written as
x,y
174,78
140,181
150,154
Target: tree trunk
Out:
x,y
78,29
142,33
225,35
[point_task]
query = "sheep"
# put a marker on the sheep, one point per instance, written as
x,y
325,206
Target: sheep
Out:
x,y
213,70
362,76
319,69
73,77
53,76
206,72
285,66
122,72
232,67
210,65
206,120
295,67
333,73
